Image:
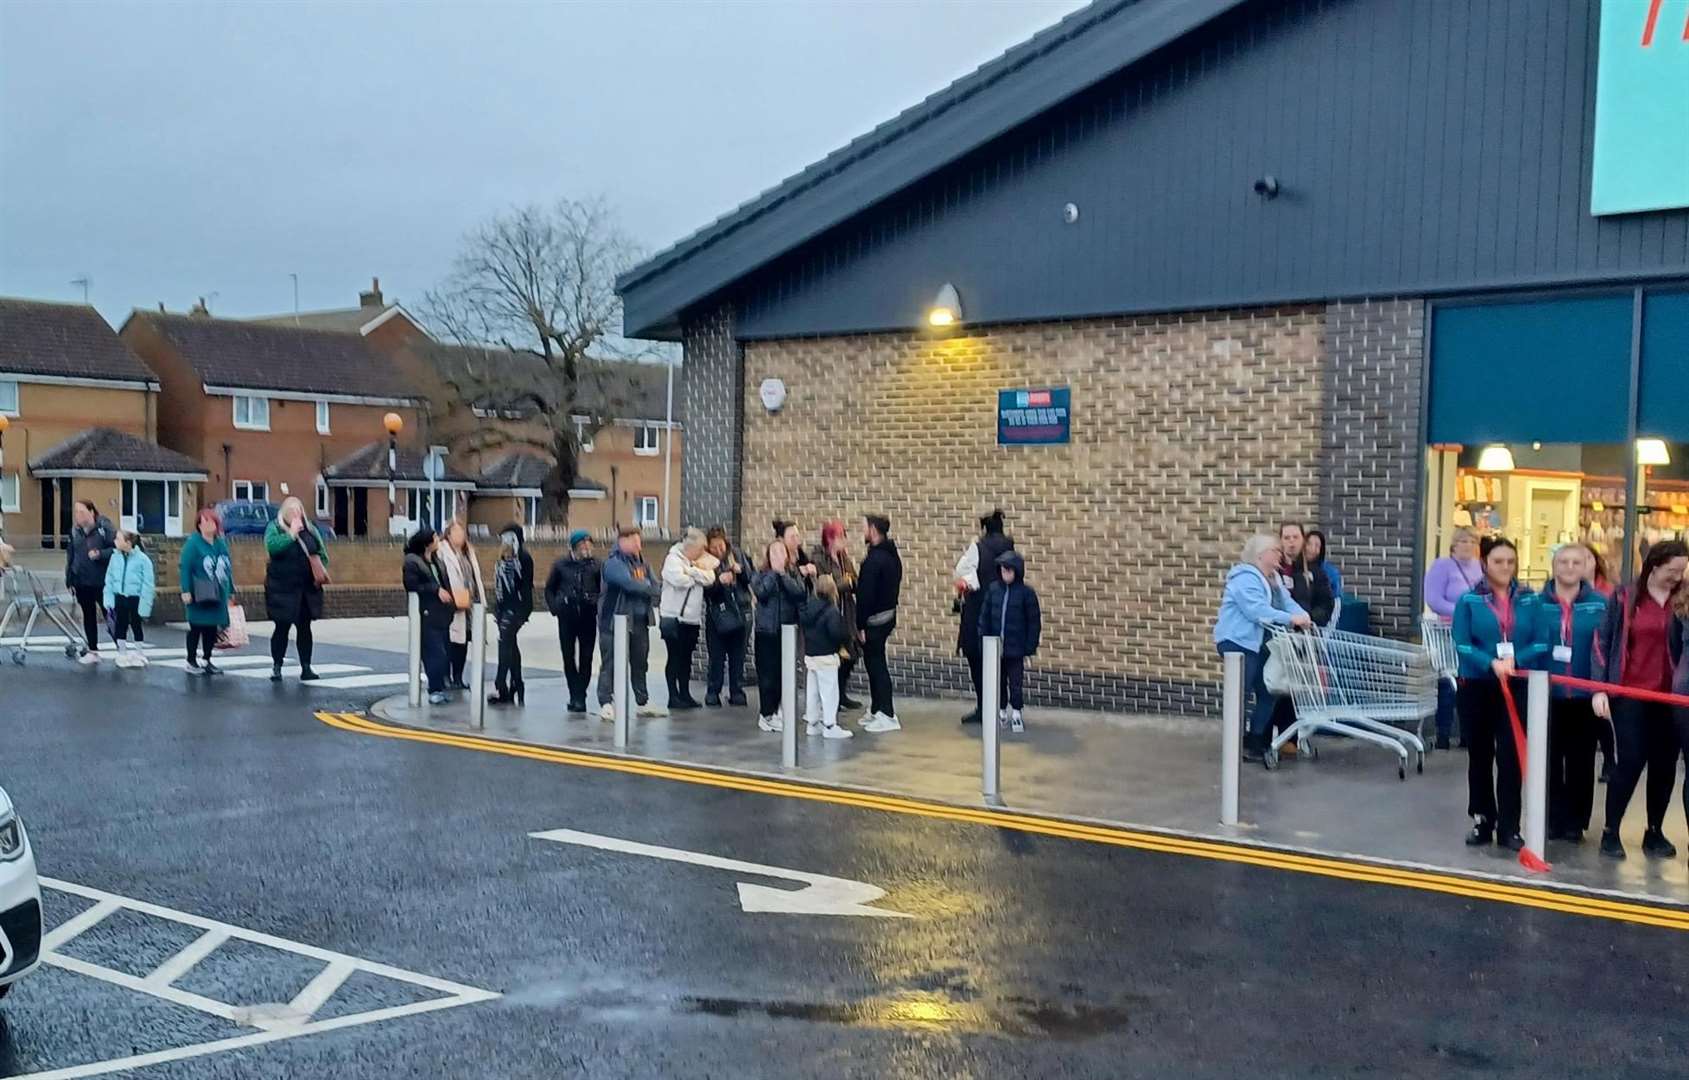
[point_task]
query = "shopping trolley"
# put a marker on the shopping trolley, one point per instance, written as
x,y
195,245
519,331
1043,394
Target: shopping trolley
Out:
x,y
1439,642
1366,688
28,598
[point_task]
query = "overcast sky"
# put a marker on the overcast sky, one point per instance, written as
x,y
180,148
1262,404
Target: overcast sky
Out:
x,y
174,150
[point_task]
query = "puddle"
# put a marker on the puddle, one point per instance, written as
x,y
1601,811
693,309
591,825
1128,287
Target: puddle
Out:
x,y
1017,1017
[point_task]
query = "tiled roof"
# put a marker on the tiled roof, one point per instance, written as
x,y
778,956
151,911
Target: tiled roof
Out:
x,y
274,356
341,320
104,450
369,465
587,483
516,472
500,379
64,341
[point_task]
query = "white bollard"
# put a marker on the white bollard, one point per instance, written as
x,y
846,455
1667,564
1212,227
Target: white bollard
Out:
x,y
990,685
478,664
413,659
1231,735
788,696
1536,761
619,696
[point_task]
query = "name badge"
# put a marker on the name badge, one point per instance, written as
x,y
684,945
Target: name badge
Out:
x,y
1504,650
1562,654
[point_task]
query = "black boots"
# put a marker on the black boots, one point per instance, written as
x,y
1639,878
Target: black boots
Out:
x,y
1483,832
1611,845
1656,846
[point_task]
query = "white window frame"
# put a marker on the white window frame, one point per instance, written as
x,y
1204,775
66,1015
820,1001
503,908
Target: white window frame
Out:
x,y
11,501
324,505
583,437
9,389
640,433
530,512
322,417
252,411
252,489
640,517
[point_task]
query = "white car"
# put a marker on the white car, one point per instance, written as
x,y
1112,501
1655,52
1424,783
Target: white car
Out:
x,y
20,900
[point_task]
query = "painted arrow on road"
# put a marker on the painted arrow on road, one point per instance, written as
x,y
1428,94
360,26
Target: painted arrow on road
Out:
x,y
821,895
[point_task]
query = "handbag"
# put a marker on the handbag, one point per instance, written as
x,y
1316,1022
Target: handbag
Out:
x,y
726,616
461,599
206,591
319,572
669,625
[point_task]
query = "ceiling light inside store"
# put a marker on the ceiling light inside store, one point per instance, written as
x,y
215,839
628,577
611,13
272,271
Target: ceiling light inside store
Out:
x,y
1495,459
946,307
1652,452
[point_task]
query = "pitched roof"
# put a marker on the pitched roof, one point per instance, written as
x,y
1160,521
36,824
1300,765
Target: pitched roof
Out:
x,y
517,472
368,465
1031,78
500,379
103,450
64,341
341,320
265,356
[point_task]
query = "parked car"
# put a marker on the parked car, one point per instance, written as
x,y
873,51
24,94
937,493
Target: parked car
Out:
x,y
20,900
249,517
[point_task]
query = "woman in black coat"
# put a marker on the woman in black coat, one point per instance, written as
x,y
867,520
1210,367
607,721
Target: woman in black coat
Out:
x,y
291,592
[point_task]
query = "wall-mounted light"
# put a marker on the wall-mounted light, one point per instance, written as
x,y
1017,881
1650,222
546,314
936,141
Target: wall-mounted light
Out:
x,y
1267,187
1652,452
946,307
1495,458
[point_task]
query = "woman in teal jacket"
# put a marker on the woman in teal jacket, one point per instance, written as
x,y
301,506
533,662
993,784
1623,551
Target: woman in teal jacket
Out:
x,y
206,572
1568,615
1493,627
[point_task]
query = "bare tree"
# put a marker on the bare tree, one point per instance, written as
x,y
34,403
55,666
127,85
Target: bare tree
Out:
x,y
537,283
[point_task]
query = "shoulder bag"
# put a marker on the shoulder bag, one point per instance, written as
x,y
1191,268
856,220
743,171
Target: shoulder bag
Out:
x,y
669,625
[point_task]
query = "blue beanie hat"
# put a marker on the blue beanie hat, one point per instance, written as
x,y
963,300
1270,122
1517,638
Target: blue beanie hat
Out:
x,y
577,536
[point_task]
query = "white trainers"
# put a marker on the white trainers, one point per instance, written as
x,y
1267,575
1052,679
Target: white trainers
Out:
x,y
88,658
650,711
812,727
129,659
837,731
1016,723
140,659
771,723
880,723
607,713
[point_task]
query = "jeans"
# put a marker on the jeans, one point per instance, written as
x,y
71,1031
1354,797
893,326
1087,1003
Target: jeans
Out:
x,y
639,652
678,668
278,640
509,678
436,658
1571,763
577,634
1492,756
725,651
1254,682
879,674
127,610
768,674
89,597
204,637
1646,735
821,705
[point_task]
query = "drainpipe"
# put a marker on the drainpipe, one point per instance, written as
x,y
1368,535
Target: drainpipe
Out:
x,y
228,477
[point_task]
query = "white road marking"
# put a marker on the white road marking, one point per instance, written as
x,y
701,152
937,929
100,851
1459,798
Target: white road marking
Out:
x,y
358,682
291,671
276,1021
181,664
821,895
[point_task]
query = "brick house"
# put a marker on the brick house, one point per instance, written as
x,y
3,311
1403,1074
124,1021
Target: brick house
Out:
x,y
1303,260
82,413
269,406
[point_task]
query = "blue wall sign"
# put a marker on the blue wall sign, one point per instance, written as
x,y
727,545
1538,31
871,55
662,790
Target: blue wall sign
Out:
x,y
1033,417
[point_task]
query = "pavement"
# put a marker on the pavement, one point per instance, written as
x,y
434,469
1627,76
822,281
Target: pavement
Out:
x,y
250,879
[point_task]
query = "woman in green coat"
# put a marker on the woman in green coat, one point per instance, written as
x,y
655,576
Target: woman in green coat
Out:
x,y
206,573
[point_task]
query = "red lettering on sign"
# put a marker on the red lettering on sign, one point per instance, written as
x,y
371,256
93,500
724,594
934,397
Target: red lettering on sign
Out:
x,y
1038,397
1648,27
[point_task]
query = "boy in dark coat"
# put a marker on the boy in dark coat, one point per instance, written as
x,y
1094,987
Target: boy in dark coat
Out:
x,y
1010,611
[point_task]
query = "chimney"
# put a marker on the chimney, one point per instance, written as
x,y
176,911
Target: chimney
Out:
x,y
372,299
200,310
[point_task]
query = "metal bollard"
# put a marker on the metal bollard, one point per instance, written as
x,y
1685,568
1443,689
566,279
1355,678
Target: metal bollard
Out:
x,y
478,664
413,660
990,684
1536,760
788,696
619,696
1231,735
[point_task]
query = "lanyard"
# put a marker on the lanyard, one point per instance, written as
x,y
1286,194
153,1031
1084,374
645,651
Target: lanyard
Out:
x,y
1503,608
1565,621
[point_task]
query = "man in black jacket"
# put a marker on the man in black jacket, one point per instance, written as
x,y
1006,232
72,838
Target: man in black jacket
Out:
x,y
878,586
991,544
571,594
91,543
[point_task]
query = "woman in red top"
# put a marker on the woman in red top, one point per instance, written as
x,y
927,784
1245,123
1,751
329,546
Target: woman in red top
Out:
x,y
1634,648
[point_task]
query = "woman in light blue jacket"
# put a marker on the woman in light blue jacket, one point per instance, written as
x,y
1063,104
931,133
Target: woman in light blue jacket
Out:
x,y
1256,598
128,595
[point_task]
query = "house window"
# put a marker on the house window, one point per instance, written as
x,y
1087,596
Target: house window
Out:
x,y
645,511
252,413
583,436
9,486
322,498
530,512
9,397
322,418
256,491
645,439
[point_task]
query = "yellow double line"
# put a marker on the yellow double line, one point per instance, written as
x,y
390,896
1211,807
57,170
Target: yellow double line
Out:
x,y
1546,899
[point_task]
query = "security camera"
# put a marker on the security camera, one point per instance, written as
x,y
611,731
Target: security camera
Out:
x,y
1267,187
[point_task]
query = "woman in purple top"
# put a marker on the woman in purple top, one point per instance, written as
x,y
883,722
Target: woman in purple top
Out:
x,y
1450,578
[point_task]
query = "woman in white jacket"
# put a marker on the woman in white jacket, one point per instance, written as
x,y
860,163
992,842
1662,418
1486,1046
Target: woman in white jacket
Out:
x,y
463,571
687,570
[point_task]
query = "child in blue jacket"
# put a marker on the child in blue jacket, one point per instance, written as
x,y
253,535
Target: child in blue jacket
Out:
x,y
1010,611
128,596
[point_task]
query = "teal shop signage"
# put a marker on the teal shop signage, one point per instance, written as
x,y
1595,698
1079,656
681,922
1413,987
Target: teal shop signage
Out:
x,y
1642,107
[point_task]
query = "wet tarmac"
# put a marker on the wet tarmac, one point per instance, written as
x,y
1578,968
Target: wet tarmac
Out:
x,y
1027,955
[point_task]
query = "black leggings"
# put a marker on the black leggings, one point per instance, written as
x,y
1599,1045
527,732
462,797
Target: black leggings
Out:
x,y
278,641
1648,738
1492,756
769,685
204,637
89,597
127,617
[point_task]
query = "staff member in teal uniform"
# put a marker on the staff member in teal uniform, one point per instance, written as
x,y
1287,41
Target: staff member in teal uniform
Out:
x,y
1568,615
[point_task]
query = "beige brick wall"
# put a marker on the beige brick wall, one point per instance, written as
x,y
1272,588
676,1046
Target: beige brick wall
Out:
x,y
1188,433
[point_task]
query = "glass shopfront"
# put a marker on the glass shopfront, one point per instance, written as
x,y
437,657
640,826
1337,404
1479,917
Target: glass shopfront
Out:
x,y
1553,420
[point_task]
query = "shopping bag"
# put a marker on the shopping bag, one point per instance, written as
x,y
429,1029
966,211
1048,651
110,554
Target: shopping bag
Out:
x,y
234,635
1276,674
